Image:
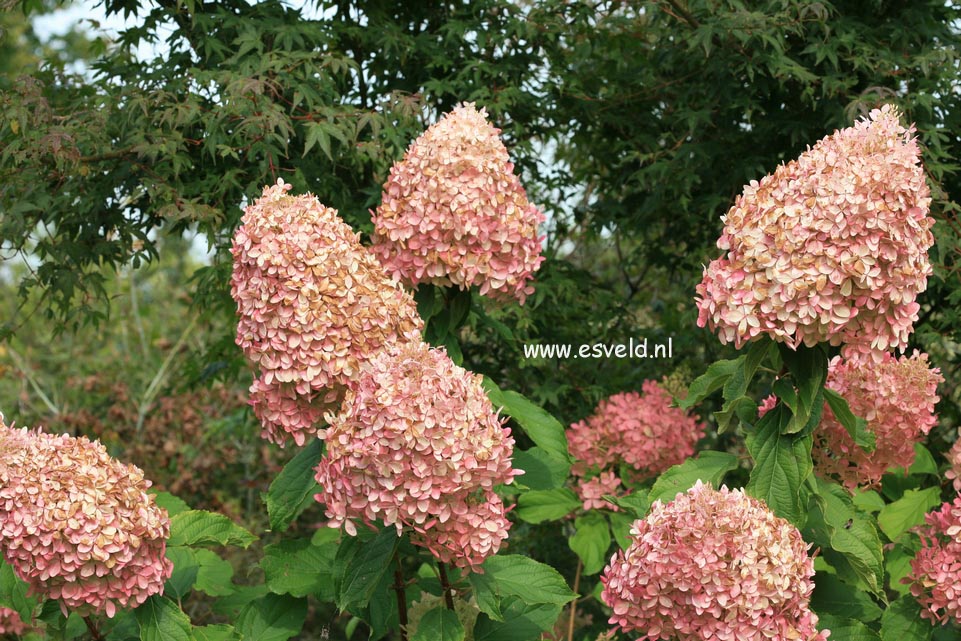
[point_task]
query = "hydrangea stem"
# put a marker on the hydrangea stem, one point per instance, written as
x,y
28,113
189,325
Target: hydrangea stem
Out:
x,y
445,583
94,632
401,599
577,583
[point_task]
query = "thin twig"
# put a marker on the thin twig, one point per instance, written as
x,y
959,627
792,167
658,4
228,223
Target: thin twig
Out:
x,y
445,583
161,375
401,599
94,632
577,582
21,364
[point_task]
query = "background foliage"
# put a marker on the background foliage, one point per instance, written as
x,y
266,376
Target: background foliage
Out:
x,y
633,124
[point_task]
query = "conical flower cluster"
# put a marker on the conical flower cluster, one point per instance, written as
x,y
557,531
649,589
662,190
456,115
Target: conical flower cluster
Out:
x,y
713,565
896,396
313,305
77,525
832,247
418,445
936,568
640,430
454,213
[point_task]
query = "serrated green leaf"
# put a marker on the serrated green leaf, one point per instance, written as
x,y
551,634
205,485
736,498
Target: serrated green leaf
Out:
x,y
708,467
198,527
542,470
161,620
781,464
855,426
636,504
809,370
525,578
300,568
898,517
439,624
716,376
216,632
214,574
902,621
542,428
13,592
522,621
293,489
868,500
173,504
846,629
590,541
485,593
923,462
833,596
538,506
835,523
273,617
365,569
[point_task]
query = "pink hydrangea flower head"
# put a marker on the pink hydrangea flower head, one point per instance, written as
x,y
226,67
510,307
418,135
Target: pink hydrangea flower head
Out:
x,y
713,564
896,396
77,525
639,429
936,569
11,623
419,445
831,247
592,491
454,213
954,459
313,303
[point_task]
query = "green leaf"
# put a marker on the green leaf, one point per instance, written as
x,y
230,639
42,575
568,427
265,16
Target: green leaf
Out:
x,y
636,504
214,574
459,304
300,567
709,467
485,593
809,369
717,374
364,570
538,506
198,527
846,629
902,622
173,504
781,464
273,617
542,428
868,500
621,524
591,540
439,624
542,470
523,577
923,462
835,523
13,592
522,621
833,596
897,564
216,632
742,408
856,426
161,620
897,518
185,571
294,488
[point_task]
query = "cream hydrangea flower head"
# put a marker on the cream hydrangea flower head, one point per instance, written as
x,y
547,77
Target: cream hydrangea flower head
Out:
x,y
454,213
831,247
418,445
78,525
713,564
313,304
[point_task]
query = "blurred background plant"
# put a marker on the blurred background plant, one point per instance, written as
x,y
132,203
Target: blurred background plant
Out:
x,y
126,157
